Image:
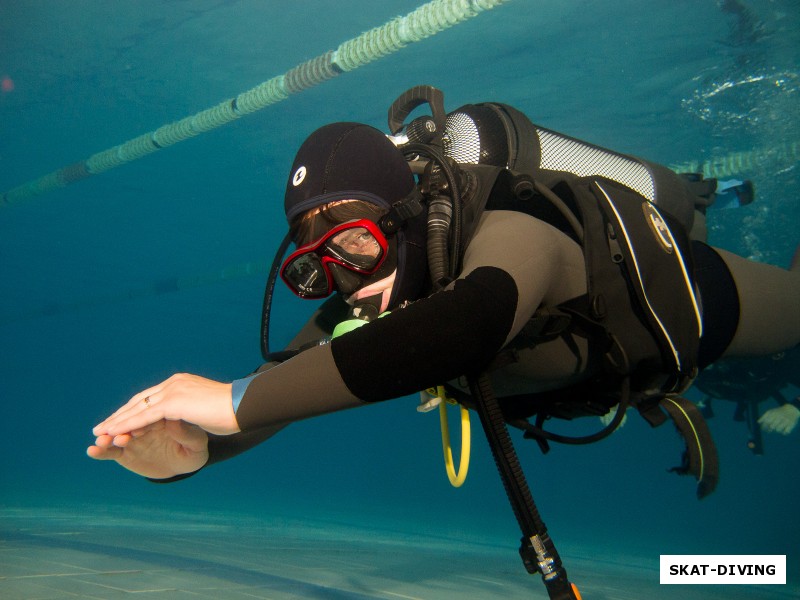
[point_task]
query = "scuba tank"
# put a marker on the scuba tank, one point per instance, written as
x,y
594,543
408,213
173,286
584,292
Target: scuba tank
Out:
x,y
497,134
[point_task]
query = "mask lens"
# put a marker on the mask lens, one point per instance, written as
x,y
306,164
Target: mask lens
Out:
x,y
355,247
341,257
306,276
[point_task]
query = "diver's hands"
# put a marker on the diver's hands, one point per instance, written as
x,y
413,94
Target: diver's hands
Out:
x,y
161,450
782,419
182,397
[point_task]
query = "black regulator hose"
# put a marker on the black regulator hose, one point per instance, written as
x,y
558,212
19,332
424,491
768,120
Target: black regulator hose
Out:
x,y
440,216
538,551
454,190
269,291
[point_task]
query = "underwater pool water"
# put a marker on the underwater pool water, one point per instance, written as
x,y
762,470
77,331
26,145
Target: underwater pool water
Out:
x,y
158,266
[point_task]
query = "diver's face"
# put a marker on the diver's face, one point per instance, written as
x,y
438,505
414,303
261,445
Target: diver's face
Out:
x,y
343,259
357,246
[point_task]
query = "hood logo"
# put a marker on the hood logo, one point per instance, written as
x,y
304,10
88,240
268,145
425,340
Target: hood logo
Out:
x,y
299,176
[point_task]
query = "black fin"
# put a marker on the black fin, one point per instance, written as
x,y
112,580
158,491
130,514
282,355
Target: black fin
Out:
x,y
700,457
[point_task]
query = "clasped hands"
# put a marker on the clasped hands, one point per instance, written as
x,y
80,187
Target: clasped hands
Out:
x,y
163,430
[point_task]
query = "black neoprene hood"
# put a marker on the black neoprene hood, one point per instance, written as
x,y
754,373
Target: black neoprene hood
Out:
x,y
353,161
346,161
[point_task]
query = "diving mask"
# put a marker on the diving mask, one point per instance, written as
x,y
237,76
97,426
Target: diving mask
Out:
x,y
336,260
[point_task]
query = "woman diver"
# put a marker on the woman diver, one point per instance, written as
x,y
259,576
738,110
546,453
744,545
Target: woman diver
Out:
x,y
510,290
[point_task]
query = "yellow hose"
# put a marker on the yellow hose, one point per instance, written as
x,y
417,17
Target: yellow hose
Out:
x,y
456,478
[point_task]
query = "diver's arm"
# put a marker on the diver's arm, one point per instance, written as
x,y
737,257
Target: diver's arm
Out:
x,y
514,264
433,340
451,333
467,325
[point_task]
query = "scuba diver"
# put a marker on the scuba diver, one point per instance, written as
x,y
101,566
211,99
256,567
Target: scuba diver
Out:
x,y
749,382
533,275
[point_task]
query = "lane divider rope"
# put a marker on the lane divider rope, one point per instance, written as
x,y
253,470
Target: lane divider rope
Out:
x,y
425,21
